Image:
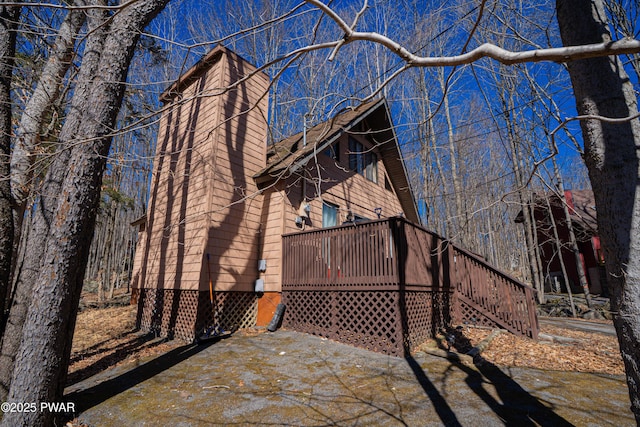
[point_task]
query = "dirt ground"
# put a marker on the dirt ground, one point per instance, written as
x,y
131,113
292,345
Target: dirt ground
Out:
x,y
105,336
578,352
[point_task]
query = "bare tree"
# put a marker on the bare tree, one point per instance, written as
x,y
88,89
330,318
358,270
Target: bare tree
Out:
x,y
559,246
41,101
41,361
52,269
127,176
27,268
624,16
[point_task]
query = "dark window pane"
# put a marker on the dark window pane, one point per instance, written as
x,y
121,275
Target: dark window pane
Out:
x,y
362,161
371,168
333,151
329,215
354,149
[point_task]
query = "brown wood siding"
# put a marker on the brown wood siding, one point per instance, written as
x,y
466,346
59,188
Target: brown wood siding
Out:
x,y
273,217
136,275
206,154
176,208
233,233
348,190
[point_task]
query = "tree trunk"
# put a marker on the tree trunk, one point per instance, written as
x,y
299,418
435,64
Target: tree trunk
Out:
x,y
430,159
573,242
524,200
530,208
460,229
27,267
612,155
8,24
41,102
558,245
42,359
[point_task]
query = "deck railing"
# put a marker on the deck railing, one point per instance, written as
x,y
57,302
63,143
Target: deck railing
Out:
x,y
355,256
382,254
487,296
404,281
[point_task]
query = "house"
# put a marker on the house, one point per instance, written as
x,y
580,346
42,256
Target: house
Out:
x,y
210,247
582,210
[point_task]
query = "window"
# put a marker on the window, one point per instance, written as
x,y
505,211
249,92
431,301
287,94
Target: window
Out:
x,y
364,162
387,184
371,166
329,215
354,219
355,156
333,151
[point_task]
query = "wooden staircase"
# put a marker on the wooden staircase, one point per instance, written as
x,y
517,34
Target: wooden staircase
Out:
x,y
486,296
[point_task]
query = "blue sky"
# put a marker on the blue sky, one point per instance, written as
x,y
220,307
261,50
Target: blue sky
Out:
x,y
478,113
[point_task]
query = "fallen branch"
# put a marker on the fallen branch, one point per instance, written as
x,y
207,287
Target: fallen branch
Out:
x,y
482,345
557,338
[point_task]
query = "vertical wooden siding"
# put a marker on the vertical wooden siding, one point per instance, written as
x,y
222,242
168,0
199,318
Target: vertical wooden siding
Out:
x,y
176,225
238,150
210,143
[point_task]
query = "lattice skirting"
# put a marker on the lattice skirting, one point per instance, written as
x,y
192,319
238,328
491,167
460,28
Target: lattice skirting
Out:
x,y
389,322
466,314
426,314
184,314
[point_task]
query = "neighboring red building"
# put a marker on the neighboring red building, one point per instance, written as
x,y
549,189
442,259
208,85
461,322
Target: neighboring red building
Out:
x,y
582,209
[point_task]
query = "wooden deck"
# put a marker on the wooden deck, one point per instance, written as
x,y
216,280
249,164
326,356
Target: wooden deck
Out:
x,y
388,285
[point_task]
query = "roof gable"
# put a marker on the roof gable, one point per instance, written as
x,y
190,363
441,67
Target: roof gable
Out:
x,y
291,154
582,209
202,66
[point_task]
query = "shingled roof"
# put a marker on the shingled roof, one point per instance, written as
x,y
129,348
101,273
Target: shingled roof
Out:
x,y
582,206
290,154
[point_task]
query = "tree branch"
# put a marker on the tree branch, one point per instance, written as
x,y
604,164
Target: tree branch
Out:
x,y
487,50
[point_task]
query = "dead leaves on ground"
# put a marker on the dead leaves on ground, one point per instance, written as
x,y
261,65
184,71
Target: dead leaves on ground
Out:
x,y
107,337
589,352
103,335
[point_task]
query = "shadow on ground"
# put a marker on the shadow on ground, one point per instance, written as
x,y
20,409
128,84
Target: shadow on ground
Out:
x,y
289,378
103,390
113,354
